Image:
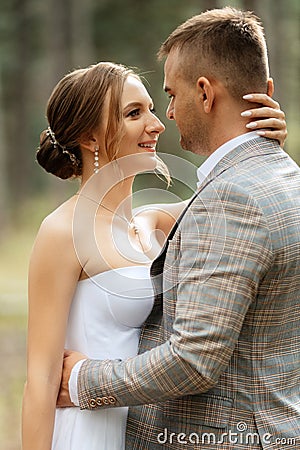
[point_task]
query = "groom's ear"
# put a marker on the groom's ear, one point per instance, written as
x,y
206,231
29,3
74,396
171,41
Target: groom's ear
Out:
x,y
206,93
270,89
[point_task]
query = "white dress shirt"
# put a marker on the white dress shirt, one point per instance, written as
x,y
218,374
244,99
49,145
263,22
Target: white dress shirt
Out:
x,y
202,172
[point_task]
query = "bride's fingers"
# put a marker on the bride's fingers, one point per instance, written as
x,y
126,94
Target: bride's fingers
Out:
x,y
270,122
264,99
270,128
273,134
264,112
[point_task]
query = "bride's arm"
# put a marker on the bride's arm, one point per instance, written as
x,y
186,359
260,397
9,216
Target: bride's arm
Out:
x,y
53,274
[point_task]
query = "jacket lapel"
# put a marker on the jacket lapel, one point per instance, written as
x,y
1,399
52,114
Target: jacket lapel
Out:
x,y
152,331
250,149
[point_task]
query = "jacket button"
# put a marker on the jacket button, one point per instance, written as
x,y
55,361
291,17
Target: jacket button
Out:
x,y
92,403
112,400
99,401
105,400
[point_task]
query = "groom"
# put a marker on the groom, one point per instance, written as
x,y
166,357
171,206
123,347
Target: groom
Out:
x,y
219,362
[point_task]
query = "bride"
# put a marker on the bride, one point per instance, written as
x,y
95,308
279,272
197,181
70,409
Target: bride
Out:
x,y
89,281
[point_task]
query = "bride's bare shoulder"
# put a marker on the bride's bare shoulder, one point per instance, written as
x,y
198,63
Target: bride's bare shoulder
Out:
x,y
53,251
58,224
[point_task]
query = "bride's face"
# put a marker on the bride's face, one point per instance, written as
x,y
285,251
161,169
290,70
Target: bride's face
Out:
x,y
141,126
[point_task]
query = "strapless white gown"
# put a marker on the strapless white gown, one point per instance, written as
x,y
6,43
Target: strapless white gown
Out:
x,y
107,312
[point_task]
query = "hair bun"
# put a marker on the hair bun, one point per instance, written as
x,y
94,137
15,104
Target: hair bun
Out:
x,y
55,159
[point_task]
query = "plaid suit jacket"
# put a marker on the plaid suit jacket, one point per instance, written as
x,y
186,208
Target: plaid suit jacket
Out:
x,y
219,360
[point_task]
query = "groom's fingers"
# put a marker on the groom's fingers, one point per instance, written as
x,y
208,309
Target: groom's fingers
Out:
x,y
63,399
70,359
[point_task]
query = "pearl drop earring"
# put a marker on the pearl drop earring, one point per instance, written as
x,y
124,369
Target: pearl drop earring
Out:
x,y
96,160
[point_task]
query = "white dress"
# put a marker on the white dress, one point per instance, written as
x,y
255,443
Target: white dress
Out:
x,y
107,312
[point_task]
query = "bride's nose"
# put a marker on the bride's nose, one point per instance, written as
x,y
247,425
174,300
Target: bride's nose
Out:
x,y
154,125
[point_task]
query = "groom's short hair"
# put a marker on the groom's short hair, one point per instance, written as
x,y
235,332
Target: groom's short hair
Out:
x,y
227,44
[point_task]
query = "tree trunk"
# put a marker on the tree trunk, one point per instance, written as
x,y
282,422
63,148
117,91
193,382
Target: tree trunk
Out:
x,y
16,103
58,49
208,4
250,5
3,180
82,53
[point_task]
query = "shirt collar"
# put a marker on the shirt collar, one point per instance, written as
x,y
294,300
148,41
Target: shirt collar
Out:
x,y
210,163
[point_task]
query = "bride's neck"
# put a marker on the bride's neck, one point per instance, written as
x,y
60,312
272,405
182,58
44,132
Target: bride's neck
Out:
x,y
113,193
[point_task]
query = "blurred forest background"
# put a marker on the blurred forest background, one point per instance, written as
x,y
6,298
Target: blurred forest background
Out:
x,y
40,41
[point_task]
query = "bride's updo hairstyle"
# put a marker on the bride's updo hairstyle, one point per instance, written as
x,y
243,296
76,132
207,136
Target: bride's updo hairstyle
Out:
x,y
75,109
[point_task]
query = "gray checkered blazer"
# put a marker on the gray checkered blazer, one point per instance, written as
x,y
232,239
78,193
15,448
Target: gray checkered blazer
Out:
x,y
219,361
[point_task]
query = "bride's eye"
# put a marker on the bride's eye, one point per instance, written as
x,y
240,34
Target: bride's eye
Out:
x,y
134,113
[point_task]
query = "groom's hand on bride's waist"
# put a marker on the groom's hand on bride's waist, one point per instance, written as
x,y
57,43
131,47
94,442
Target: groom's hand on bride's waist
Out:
x,y
70,359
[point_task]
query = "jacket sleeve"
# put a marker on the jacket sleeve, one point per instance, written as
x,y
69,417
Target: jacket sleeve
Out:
x,y
225,251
